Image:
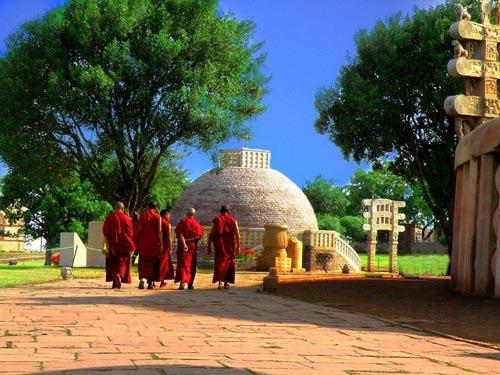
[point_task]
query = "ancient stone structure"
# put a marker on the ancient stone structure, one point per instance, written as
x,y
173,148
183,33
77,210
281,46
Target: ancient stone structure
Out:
x,y
476,229
477,64
256,194
382,214
323,241
274,254
14,240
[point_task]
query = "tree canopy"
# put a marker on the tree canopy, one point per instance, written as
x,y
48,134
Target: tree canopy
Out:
x,y
388,103
110,87
46,211
69,203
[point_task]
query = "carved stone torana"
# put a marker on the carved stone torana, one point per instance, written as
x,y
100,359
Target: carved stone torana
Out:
x,y
382,214
478,65
475,265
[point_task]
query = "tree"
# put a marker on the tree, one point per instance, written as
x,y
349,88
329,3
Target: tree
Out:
x,y
388,102
48,210
67,205
170,182
325,197
99,81
330,222
353,226
375,183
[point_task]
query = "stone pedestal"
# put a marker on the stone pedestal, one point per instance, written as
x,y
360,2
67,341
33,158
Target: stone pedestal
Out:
x,y
275,241
294,252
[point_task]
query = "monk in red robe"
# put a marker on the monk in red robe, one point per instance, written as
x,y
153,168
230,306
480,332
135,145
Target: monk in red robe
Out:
x,y
188,232
119,237
149,243
225,237
166,271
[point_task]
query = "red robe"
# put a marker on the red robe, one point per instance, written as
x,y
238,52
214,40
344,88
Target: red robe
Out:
x,y
118,231
166,271
190,228
148,232
223,237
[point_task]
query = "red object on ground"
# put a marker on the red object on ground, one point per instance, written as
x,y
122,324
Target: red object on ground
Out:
x,y
55,258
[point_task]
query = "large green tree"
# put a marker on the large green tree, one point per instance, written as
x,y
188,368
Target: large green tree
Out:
x,y
95,81
68,204
65,206
388,102
325,197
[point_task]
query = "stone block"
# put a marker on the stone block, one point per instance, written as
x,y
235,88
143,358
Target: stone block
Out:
x,y
73,250
95,240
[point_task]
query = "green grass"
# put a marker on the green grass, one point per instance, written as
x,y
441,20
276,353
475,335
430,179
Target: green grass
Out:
x,y
34,272
433,265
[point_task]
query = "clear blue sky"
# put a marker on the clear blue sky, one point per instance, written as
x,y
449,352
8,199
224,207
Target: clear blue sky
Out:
x,y
307,42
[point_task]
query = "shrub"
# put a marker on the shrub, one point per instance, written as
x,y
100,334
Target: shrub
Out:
x,y
324,260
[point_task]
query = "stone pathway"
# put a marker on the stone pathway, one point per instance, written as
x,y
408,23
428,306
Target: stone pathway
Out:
x,y
82,326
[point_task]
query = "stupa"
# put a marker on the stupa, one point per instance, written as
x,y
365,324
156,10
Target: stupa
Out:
x,y
256,194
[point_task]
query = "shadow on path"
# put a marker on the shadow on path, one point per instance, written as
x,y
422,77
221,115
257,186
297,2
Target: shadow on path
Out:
x,y
154,370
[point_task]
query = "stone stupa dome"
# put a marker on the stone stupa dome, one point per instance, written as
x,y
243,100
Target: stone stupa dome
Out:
x,y
256,194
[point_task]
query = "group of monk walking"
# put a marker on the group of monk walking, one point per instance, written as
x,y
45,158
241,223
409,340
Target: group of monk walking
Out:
x,y
150,237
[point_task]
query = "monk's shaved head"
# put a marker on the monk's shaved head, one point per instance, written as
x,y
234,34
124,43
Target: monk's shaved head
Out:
x,y
190,212
117,206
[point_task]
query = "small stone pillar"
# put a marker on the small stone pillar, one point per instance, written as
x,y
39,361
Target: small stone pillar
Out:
x,y
294,251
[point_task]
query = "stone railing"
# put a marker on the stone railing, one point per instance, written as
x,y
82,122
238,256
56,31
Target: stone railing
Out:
x,y
348,253
249,237
330,240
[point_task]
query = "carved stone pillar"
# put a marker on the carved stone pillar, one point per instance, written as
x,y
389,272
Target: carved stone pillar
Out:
x,y
496,225
371,250
393,251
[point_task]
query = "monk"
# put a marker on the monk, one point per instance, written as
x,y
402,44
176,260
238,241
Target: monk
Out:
x,y
119,237
188,232
149,243
166,271
225,237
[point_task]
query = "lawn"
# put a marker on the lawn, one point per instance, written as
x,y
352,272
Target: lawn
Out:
x,y
435,265
34,272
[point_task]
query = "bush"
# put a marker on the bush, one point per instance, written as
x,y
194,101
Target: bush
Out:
x,y
353,226
324,260
330,222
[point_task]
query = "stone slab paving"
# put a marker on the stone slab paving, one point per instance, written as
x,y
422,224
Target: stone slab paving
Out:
x,y
82,326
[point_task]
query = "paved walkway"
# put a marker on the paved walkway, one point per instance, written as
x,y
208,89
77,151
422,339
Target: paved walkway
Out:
x,y
81,326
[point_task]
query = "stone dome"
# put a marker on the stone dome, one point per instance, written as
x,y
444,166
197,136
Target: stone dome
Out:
x,y
255,194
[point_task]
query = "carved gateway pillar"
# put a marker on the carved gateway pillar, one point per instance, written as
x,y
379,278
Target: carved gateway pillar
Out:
x,y
382,214
476,227
477,64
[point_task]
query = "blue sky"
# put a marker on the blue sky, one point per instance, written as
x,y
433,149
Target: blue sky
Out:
x,y
307,42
